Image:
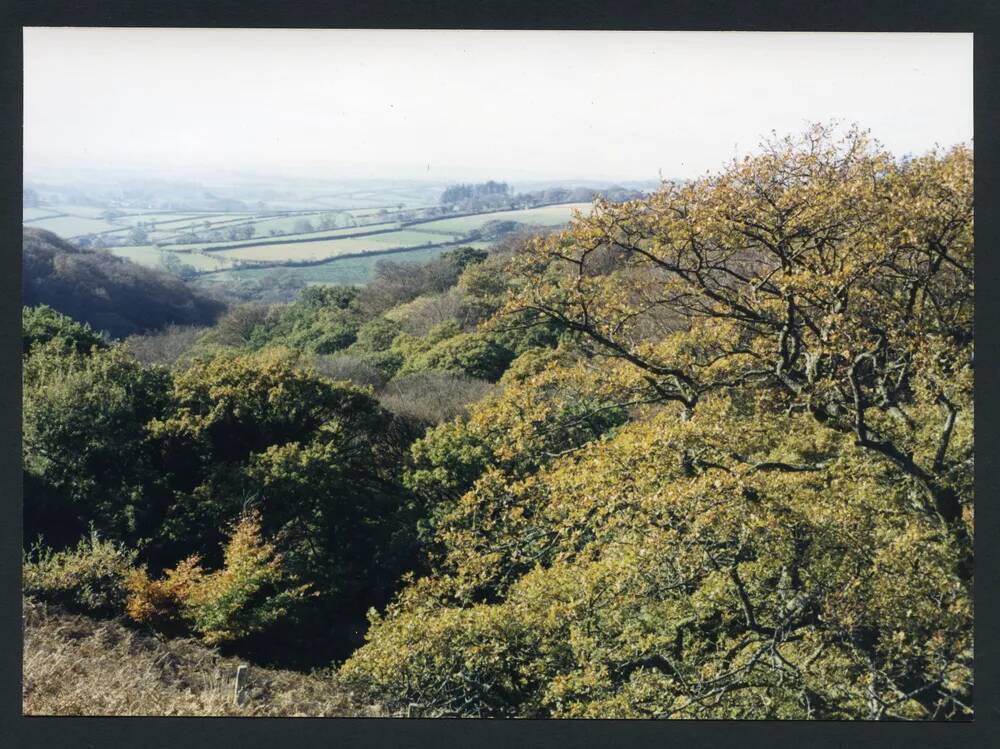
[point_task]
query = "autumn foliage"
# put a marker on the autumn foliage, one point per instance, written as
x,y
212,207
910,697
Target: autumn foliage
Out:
x,y
704,454
250,592
784,527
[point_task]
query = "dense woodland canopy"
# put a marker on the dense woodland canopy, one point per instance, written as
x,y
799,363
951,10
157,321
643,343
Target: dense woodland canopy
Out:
x,y
704,454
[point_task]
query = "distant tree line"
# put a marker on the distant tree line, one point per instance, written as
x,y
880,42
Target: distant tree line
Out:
x,y
463,193
493,195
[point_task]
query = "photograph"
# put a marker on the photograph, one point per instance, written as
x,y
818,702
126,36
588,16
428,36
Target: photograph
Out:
x,y
497,374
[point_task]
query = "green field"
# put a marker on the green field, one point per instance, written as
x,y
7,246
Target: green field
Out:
x,y
170,232
346,271
154,257
549,215
70,222
73,226
177,220
84,211
286,224
31,214
264,224
332,248
278,240
146,255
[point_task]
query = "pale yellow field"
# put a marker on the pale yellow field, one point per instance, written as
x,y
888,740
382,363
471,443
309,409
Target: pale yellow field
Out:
x,y
549,215
332,248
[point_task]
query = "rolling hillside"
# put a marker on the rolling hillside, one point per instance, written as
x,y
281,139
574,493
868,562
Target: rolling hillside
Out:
x,y
112,294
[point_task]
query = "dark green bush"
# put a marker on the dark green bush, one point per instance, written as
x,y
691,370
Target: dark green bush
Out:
x,y
42,324
90,577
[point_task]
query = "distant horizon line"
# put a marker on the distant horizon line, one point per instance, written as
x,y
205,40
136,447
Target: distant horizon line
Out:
x,y
42,171
35,168
195,175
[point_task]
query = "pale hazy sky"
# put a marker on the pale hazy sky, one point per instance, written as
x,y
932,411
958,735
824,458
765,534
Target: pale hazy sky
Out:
x,y
441,104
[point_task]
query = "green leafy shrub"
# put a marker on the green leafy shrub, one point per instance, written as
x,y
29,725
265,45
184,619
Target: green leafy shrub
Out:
x,y
476,661
395,283
473,354
339,297
322,321
411,345
42,324
546,403
377,334
484,354
90,577
85,451
320,459
252,591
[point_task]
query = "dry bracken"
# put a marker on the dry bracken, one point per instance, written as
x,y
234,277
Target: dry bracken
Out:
x,y
75,665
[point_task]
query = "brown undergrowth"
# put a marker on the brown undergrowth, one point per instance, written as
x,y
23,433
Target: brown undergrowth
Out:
x,y
77,665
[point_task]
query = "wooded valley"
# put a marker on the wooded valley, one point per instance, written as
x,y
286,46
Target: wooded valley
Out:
x,y
703,453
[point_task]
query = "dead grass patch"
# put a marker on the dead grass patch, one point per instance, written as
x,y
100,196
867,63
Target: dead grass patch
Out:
x,y
76,665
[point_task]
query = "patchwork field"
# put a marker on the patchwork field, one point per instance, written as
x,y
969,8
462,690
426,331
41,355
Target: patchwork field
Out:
x,y
223,255
218,247
33,214
549,215
287,224
157,257
323,249
85,211
68,227
417,235
353,270
178,220
75,222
